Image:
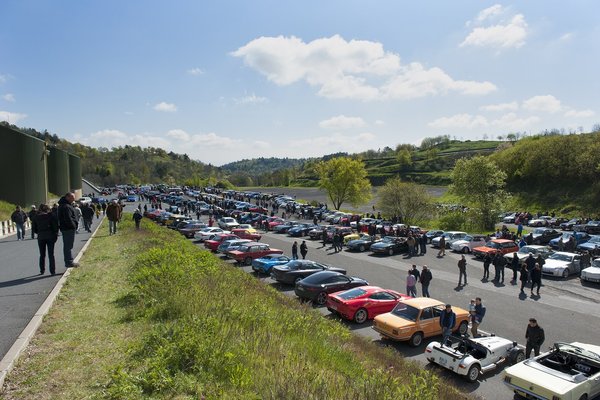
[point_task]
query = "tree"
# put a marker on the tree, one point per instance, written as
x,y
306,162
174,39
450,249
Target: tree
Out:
x,y
479,182
345,180
408,201
404,158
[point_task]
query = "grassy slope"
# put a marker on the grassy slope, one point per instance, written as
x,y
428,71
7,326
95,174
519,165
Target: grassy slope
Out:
x,y
184,325
6,209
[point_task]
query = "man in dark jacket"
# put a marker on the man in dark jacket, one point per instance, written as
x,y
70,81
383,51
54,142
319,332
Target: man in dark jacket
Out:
x,y
67,221
19,218
535,338
462,270
45,225
87,214
477,316
425,279
447,321
31,215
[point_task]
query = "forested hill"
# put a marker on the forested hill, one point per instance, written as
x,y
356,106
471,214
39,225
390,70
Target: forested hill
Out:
x,y
259,166
133,164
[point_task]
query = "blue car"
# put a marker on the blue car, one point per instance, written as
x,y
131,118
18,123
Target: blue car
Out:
x,y
590,245
132,198
264,264
580,238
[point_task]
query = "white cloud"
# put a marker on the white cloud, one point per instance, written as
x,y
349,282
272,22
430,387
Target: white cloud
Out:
x,y
113,138
355,69
341,122
512,106
580,113
510,121
179,134
11,117
379,122
260,144
165,107
566,37
251,99
195,71
334,143
9,97
546,103
506,33
3,78
464,121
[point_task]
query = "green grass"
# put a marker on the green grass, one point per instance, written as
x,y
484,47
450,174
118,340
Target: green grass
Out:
x,y
150,315
6,209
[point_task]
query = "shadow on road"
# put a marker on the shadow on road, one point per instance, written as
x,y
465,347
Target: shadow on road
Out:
x,y
23,281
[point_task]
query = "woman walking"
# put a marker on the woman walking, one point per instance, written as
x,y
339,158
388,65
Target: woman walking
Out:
x,y
45,225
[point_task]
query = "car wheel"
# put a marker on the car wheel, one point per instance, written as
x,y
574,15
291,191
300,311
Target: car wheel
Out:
x,y
565,273
518,356
465,250
248,261
391,252
321,298
583,397
463,328
416,339
473,373
362,248
361,316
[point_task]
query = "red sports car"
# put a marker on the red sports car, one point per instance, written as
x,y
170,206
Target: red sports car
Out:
x,y
363,303
214,243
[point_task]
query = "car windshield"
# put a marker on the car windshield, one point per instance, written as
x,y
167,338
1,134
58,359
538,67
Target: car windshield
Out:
x,y
560,257
569,348
352,293
492,245
405,311
388,239
527,250
317,278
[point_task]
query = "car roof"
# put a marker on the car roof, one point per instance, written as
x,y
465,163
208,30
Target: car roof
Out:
x,y
503,241
422,302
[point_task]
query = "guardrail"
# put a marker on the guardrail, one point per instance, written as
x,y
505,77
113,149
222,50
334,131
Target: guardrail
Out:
x,y
8,228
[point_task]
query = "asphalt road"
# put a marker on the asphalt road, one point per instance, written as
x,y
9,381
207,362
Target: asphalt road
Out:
x,y
567,310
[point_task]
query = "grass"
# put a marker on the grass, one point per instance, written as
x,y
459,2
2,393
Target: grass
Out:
x,y
6,209
150,315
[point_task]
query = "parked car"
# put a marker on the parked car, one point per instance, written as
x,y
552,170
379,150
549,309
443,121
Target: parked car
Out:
x,y
190,229
228,223
361,244
230,244
317,286
206,233
264,264
580,238
568,371
592,227
414,319
562,264
450,237
247,234
471,357
317,232
544,235
494,246
468,243
592,245
525,251
390,245
246,253
363,303
301,229
213,243
297,270
541,221
591,273
285,227
509,219
568,226
433,234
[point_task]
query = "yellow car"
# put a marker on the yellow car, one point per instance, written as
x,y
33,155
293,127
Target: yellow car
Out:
x,y
418,318
248,228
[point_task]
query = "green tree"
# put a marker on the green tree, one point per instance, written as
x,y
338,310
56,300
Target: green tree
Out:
x,y
407,200
345,180
479,182
404,158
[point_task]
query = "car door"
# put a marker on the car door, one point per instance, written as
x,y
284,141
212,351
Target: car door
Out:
x,y
337,283
427,324
381,302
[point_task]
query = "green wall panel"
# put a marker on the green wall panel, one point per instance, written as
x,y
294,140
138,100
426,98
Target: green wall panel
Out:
x,y
75,182
58,172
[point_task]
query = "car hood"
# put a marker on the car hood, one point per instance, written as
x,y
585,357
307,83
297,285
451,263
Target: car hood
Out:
x,y
592,271
554,264
381,245
538,375
357,242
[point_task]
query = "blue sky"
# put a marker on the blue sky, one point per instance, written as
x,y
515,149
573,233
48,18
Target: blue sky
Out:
x,y
226,80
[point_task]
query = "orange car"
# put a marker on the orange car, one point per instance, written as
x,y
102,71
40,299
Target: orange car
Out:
x,y
418,318
502,246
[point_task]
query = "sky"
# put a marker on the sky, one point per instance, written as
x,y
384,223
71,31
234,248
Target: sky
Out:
x,y
228,80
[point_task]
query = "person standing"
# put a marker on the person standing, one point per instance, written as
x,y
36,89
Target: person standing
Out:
x,y
78,215
31,215
425,279
524,277
535,338
113,213
423,244
19,218
536,278
540,260
415,272
87,214
45,225
67,222
295,251
530,262
477,317
514,264
410,241
442,244
487,260
411,284
447,321
462,270
137,218
303,249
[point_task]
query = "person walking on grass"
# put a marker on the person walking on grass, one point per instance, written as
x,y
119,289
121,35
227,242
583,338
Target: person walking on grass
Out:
x,y
45,226
19,218
462,270
67,222
137,218
303,249
113,213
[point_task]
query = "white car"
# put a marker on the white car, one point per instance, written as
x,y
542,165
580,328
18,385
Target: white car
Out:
x,y
206,233
541,221
451,236
568,372
592,274
85,200
472,357
562,264
524,252
468,243
228,223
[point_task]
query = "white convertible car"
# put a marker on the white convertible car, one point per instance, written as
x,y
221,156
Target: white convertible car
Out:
x,y
568,372
592,274
471,357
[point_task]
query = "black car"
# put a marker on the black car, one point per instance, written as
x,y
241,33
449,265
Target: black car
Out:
x,y
543,236
592,227
317,232
363,243
285,227
390,245
568,226
301,229
297,270
317,286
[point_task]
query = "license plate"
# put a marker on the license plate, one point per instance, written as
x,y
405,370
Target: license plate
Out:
x,y
442,361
